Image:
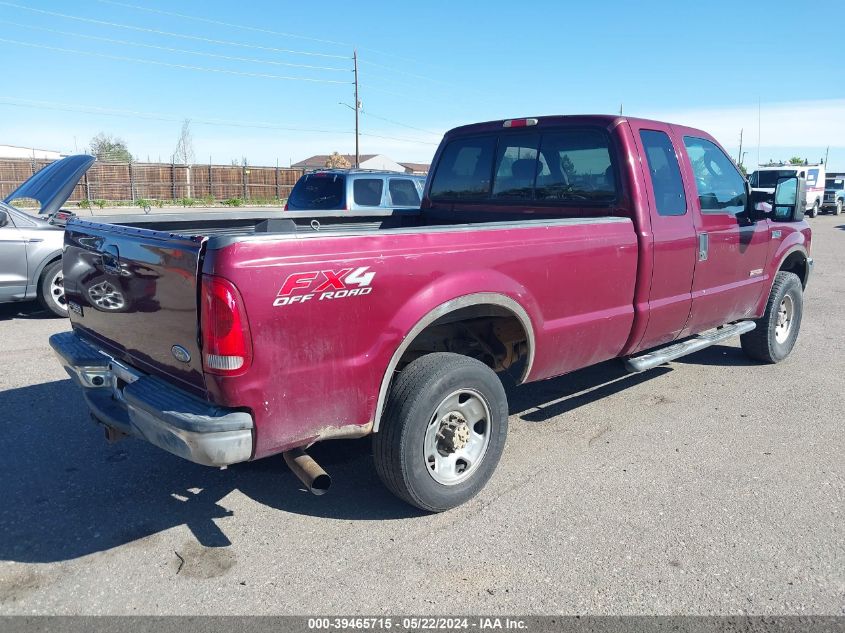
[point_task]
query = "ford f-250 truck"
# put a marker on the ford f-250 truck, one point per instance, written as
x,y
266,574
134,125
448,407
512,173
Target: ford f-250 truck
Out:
x,y
543,245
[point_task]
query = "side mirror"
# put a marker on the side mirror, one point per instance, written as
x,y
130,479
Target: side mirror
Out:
x,y
4,218
790,199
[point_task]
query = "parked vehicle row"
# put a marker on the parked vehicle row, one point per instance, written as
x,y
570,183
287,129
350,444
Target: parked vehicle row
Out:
x,y
541,246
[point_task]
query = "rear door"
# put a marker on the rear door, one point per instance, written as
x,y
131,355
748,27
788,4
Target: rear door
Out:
x,y
673,234
731,251
134,293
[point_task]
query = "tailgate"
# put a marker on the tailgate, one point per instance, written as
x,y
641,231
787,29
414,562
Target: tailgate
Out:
x,y
133,292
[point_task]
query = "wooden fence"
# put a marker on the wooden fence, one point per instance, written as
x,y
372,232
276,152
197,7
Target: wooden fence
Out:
x,y
131,183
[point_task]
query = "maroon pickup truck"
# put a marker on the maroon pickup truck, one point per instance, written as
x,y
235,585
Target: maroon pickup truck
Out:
x,y
543,245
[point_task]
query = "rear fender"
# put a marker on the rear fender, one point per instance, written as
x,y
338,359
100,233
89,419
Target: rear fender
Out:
x,y
502,291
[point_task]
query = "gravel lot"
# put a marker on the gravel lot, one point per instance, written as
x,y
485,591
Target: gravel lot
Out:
x,y
711,485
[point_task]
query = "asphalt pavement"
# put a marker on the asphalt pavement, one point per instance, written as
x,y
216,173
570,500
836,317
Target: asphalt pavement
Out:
x,y
712,485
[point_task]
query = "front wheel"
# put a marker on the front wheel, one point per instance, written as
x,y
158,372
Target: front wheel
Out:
x,y
774,337
51,289
837,210
815,210
443,431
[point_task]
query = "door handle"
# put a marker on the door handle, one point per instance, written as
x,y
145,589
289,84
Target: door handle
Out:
x,y
703,246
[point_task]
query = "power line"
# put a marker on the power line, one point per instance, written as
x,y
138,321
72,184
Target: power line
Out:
x,y
410,127
402,72
221,23
169,34
254,29
156,116
172,50
172,65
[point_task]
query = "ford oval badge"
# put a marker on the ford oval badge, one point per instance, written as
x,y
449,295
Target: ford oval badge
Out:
x,y
181,354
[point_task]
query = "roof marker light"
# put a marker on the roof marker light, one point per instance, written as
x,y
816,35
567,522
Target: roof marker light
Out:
x,y
519,123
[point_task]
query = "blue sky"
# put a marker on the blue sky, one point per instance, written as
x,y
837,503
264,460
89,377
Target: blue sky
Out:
x,y
425,67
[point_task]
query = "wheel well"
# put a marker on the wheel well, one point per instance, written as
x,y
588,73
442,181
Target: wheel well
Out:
x,y
796,263
489,333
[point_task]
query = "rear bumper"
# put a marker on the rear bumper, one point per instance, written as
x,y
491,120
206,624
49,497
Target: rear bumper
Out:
x,y
149,408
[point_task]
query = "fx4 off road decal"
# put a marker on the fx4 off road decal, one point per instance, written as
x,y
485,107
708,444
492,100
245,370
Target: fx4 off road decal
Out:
x,y
325,285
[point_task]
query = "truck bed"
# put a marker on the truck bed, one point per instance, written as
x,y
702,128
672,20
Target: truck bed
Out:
x,y
318,358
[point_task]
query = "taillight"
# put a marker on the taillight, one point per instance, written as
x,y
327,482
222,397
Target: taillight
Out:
x,y
226,341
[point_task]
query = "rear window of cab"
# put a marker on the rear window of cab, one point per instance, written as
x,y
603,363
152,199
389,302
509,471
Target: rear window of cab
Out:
x,y
557,166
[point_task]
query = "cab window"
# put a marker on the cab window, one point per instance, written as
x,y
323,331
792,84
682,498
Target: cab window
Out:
x,y
720,186
669,196
464,170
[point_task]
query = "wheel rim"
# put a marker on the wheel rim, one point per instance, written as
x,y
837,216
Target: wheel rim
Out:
x,y
457,437
104,295
784,319
57,290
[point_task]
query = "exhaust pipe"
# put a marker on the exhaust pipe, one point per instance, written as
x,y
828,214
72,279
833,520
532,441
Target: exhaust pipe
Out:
x,y
316,480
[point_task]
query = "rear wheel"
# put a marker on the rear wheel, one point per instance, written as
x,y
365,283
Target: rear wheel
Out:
x,y
815,210
837,210
777,330
51,289
443,431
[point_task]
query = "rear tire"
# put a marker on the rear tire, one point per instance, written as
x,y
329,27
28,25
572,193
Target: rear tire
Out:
x,y
837,210
777,330
815,210
443,431
51,291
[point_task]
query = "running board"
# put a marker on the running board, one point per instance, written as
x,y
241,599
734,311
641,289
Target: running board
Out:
x,y
652,359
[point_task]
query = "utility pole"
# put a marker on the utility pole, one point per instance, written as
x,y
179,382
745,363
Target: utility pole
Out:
x,y
739,154
357,106
826,154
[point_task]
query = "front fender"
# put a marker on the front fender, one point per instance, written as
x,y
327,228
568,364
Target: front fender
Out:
x,y
794,242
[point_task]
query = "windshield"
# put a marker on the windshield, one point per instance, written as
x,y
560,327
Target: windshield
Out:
x,y
835,183
769,179
318,192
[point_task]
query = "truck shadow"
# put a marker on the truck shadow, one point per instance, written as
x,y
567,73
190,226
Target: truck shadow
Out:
x,y
68,493
30,310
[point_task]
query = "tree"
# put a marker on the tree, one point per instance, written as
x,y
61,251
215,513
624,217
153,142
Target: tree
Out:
x,y
338,161
110,148
184,154
797,160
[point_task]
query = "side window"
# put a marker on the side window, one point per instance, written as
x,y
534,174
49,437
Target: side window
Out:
x,y
575,166
403,192
666,182
464,170
516,165
367,191
721,188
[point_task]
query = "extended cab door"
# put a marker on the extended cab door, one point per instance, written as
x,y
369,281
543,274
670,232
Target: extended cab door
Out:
x,y
673,239
732,249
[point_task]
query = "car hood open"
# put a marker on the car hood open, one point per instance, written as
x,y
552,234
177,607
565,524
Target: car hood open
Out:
x,y
53,185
